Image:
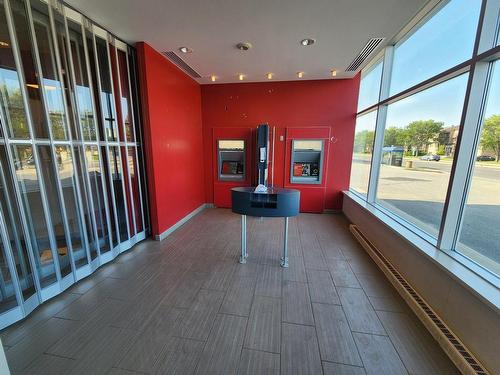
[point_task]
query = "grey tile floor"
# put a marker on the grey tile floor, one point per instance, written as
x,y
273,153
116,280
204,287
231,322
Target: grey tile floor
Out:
x,y
186,306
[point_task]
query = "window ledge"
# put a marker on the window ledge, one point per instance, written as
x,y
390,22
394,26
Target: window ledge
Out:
x,y
479,281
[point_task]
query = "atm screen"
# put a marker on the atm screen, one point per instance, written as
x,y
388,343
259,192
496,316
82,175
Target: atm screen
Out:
x,y
231,167
305,169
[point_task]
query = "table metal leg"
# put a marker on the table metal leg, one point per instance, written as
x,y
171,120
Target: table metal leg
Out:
x,y
284,259
243,256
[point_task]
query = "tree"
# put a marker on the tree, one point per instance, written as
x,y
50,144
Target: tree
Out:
x,y
422,133
363,141
395,136
490,138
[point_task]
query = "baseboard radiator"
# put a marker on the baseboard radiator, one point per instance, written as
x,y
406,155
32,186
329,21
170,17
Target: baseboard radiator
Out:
x,y
451,344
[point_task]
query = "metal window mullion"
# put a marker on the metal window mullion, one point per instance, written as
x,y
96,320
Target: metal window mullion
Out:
x,y
111,189
29,119
113,95
378,142
86,180
79,204
62,206
136,164
463,165
470,129
124,134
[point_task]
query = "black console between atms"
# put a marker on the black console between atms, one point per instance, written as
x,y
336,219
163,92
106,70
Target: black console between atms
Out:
x,y
264,201
276,202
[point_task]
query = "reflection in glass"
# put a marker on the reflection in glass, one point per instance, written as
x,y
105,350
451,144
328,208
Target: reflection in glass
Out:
x,y
116,183
109,195
424,130
50,183
128,193
15,233
95,176
443,41
86,209
480,232
94,79
31,75
68,183
52,86
106,95
126,105
7,293
136,194
11,99
82,85
62,45
369,87
27,178
362,152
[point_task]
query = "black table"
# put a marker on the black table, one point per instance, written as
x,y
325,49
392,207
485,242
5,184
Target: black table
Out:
x,y
276,202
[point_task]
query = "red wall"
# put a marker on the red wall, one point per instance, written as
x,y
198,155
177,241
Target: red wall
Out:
x,y
320,103
172,125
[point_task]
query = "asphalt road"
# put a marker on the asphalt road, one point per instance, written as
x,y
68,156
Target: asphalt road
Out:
x,y
418,196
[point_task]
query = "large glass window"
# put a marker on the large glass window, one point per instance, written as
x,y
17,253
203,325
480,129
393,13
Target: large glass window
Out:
x,y
54,205
51,84
11,99
28,180
69,182
480,232
83,93
106,94
66,173
31,74
96,179
416,162
441,42
362,152
369,87
16,237
116,180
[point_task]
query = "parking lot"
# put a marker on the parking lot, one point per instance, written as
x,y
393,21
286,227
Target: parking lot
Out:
x,y
418,195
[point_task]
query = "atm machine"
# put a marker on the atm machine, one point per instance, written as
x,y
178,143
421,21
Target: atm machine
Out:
x,y
306,165
264,200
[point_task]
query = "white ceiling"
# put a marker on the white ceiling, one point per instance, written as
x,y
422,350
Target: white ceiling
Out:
x,y
274,27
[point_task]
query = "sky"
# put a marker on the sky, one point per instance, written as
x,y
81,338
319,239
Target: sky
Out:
x,y
442,42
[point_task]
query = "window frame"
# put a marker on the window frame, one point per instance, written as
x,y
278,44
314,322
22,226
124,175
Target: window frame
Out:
x,y
479,68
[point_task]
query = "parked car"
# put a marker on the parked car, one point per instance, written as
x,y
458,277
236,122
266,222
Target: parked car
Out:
x,y
431,157
485,158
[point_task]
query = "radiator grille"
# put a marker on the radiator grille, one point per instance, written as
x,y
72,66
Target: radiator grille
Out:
x,y
451,344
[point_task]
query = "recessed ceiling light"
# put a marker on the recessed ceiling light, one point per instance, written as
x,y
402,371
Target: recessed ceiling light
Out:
x,y
244,46
334,73
300,74
3,44
213,78
185,49
241,77
307,41
269,75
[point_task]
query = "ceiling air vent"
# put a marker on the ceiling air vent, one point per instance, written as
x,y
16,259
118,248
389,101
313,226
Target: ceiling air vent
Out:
x,y
365,52
173,57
